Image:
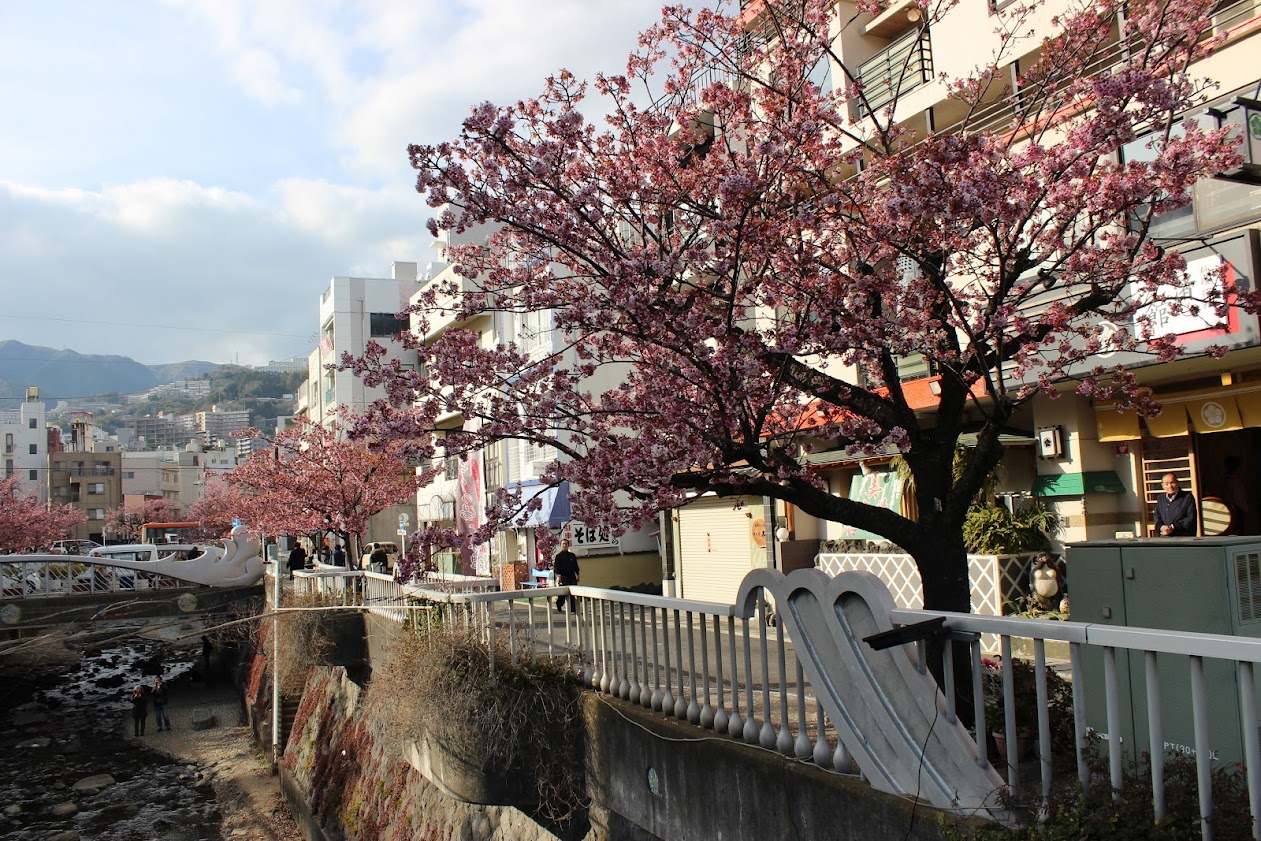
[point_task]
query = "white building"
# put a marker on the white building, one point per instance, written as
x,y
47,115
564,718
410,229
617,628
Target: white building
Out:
x,y
354,311
26,443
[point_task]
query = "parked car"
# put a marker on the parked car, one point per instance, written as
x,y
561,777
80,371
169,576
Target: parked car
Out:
x,y
391,555
74,547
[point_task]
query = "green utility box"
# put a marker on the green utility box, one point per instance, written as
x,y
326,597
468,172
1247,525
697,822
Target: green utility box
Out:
x,y
1209,585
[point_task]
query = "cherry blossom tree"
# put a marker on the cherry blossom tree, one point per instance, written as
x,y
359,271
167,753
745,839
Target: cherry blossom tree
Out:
x,y
748,262
219,505
125,522
27,524
312,479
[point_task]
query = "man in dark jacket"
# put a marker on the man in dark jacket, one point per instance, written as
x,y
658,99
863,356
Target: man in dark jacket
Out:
x,y
566,566
297,559
1175,510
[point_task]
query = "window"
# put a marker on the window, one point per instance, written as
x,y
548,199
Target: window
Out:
x,y
533,331
34,474
8,442
30,423
96,488
384,324
452,471
96,513
129,474
34,449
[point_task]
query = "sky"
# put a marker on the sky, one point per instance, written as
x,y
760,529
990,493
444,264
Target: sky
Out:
x,y
179,179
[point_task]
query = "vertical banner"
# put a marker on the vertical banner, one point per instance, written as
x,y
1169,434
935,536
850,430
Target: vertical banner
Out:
x,y
470,509
882,489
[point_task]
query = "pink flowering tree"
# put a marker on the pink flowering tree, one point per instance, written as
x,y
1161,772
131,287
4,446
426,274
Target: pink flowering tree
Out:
x,y
749,263
312,479
27,524
218,505
125,522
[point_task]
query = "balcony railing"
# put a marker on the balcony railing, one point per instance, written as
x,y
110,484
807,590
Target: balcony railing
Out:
x,y
901,67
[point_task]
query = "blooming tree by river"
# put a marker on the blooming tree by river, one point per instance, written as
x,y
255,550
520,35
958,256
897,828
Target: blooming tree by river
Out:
x,y
750,262
312,479
27,524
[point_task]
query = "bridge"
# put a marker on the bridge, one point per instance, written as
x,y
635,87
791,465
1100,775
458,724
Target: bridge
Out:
x,y
41,591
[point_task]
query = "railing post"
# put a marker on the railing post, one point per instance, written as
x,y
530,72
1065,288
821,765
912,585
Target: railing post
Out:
x,y
654,700
720,714
736,725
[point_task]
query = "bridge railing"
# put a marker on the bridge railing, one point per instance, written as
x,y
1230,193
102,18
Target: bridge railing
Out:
x,y
739,674
67,575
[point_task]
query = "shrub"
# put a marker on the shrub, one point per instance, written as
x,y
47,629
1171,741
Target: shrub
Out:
x,y
523,723
1072,815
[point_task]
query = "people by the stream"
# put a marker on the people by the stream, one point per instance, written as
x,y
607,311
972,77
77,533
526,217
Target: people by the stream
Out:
x,y
158,694
566,566
339,556
206,648
139,709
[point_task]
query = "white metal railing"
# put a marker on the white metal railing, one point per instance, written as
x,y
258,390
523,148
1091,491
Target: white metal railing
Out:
x,y
736,674
71,575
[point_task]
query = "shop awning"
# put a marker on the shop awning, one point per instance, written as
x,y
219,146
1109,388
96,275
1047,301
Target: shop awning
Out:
x,y
1215,414
1078,484
554,511
1117,426
1170,423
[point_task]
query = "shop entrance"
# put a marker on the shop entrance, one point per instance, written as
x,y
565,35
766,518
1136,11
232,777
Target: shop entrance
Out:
x,y
1227,465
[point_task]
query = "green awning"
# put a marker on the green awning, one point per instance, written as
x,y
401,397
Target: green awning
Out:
x,y
1078,484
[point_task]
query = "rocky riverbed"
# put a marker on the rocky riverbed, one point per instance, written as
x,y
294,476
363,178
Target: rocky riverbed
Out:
x,y
72,770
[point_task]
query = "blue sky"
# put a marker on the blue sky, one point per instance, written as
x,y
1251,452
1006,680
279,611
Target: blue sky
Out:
x,y
179,180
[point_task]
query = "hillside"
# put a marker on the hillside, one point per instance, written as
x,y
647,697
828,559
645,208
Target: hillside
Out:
x,y
67,374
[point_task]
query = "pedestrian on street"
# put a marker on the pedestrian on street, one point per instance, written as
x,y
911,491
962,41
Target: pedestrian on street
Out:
x,y
297,559
339,556
158,694
566,565
139,709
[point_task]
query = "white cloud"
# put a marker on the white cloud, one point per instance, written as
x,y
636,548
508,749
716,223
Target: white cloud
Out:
x,y
202,167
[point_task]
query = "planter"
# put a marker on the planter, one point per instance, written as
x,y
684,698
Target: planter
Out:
x,y
1025,741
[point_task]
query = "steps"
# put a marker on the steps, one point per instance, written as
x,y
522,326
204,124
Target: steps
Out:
x,y
288,712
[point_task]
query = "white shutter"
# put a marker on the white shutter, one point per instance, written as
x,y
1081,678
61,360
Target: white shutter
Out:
x,y
715,549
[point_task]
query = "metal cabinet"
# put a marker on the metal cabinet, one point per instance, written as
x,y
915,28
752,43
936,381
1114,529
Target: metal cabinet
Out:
x,y
1206,585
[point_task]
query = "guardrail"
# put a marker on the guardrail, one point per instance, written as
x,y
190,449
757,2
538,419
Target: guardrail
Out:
x,y
74,575
737,672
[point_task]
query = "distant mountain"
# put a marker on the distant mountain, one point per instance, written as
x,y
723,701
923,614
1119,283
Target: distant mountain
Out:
x,y
66,374
191,370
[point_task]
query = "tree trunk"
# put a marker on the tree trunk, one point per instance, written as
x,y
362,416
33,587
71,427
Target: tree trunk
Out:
x,y
944,575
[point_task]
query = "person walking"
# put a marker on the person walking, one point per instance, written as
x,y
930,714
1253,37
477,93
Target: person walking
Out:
x,y
206,648
158,694
297,559
139,709
566,565
1175,509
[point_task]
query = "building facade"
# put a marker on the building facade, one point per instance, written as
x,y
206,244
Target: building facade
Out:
x,y
25,437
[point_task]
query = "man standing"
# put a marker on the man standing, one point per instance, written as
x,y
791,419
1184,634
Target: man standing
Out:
x,y
297,559
1175,509
339,556
566,565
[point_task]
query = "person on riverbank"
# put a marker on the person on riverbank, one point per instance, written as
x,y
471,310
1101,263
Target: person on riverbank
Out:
x,y
139,709
566,565
158,694
206,649
297,559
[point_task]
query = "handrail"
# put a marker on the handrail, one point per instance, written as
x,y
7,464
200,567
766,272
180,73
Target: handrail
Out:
x,y
742,676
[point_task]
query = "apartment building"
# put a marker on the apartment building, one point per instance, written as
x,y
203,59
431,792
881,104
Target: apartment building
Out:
x,y
23,431
219,423
456,498
1099,469
87,475
354,311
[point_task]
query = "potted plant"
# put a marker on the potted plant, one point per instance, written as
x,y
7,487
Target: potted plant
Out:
x,y
1059,693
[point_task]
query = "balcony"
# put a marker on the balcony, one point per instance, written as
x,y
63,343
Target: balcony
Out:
x,y
899,68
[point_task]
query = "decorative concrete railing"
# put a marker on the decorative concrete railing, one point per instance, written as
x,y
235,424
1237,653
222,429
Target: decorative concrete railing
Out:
x,y
723,669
